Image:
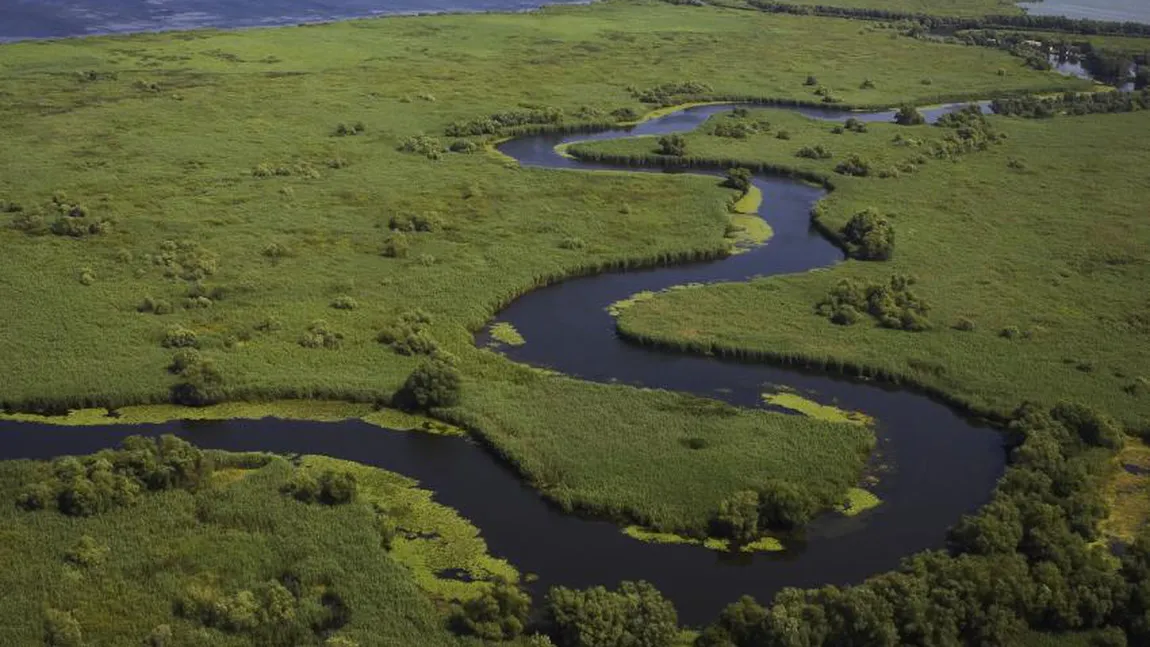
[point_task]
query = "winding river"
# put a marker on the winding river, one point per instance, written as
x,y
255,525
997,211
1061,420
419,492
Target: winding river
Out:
x,y
942,465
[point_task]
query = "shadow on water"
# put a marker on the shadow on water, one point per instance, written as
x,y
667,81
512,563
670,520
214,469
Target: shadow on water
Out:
x,y
941,465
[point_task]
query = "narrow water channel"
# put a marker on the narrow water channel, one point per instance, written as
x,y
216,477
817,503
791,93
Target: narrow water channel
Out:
x,y
942,465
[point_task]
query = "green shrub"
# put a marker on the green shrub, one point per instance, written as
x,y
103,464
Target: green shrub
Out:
x,y
867,84
161,636
625,115
856,125
636,615
818,152
909,116
672,145
869,236
964,324
572,242
783,134
350,130
408,334
425,145
332,487
344,302
396,245
155,306
184,359
738,178
87,552
667,94
853,165
891,304
320,335
201,384
464,146
276,251
409,222
180,337
738,517
61,629
503,121
811,81
501,613
785,506
434,383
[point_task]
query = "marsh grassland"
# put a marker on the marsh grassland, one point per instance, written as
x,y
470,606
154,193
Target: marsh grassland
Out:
x,y
317,215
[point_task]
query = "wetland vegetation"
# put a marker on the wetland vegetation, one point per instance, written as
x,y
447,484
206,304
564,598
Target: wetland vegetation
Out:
x,y
318,214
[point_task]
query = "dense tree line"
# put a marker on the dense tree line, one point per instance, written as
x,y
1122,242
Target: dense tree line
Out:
x,y
116,478
1073,103
1025,561
955,23
667,94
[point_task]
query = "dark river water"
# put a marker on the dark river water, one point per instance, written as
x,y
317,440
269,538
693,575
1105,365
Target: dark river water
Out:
x,y
941,466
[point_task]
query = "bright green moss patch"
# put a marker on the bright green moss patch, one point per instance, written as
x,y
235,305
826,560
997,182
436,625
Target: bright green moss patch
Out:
x,y
859,501
431,538
818,411
319,410
763,544
506,333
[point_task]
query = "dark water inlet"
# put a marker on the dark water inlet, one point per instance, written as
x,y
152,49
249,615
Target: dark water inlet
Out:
x,y
943,466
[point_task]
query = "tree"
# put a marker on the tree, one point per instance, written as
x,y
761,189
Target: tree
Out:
x,y
738,517
785,506
636,615
499,614
909,116
672,145
434,383
869,236
738,178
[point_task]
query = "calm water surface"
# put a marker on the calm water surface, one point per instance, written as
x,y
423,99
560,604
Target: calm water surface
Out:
x,y
22,19
1114,10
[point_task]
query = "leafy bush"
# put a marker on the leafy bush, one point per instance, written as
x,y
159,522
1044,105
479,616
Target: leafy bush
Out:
x,y
785,506
672,145
180,337
501,613
320,335
155,306
867,84
87,552
276,251
738,178
350,130
853,165
869,236
892,304
344,302
408,335
909,116
61,629
811,81
501,121
818,152
738,517
783,134
671,93
856,125
396,245
625,115
464,146
413,223
275,613
434,383
332,487
425,145
636,615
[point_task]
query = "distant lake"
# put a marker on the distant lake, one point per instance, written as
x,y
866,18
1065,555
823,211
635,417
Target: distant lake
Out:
x,y
22,19
1116,10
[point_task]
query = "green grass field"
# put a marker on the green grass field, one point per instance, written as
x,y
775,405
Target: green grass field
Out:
x,y
1038,242
235,533
931,7
233,209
